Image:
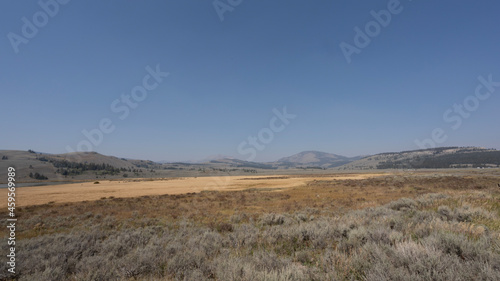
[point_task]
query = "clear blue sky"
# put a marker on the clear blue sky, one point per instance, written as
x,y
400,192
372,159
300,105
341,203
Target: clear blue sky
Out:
x,y
227,76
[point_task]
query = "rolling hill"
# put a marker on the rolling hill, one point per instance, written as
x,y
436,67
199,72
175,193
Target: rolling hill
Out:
x,y
442,157
53,165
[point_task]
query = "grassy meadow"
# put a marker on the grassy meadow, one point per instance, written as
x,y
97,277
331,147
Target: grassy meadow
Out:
x,y
418,226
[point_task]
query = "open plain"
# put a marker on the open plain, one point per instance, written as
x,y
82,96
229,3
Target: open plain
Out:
x,y
95,190
389,225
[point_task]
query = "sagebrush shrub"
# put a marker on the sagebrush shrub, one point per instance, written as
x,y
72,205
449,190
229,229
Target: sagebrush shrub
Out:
x,y
404,240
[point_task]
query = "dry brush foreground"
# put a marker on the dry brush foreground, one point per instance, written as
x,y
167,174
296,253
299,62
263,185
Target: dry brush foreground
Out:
x,y
394,227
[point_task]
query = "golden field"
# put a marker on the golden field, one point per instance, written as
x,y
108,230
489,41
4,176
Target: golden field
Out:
x,y
392,225
93,190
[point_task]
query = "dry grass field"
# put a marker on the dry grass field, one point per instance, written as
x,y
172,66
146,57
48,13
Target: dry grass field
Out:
x,y
434,225
95,190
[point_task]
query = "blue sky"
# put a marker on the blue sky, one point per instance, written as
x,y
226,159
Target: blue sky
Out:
x,y
226,77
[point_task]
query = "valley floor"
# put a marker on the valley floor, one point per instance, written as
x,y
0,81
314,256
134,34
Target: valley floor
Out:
x,y
95,190
432,225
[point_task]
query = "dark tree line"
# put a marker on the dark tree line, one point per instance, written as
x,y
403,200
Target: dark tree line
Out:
x,y
67,168
38,176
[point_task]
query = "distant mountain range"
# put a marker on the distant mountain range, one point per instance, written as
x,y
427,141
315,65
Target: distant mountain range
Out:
x,y
315,159
442,157
83,164
305,159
